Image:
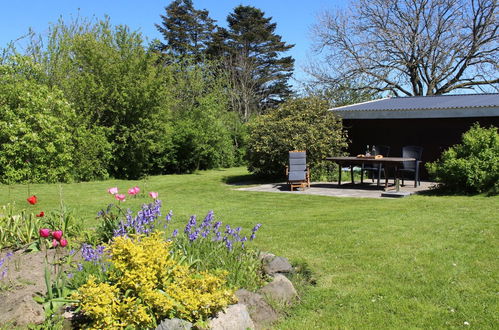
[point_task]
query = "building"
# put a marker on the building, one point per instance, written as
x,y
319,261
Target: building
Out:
x,y
433,122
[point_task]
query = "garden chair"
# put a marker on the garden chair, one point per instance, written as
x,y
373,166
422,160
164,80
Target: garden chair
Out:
x,y
375,169
298,172
412,167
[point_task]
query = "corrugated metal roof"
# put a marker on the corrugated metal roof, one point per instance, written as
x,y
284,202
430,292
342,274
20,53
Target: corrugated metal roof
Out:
x,y
426,103
440,106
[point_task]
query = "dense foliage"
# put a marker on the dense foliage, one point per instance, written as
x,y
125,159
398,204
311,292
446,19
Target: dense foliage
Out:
x,y
94,102
299,124
473,165
144,278
41,136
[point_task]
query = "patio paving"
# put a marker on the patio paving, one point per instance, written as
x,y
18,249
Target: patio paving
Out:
x,y
365,190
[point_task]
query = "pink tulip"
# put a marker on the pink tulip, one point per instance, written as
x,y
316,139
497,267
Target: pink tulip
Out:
x,y
54,243
113,190
134,191
63,242
120,197
153,194
57,234
44,232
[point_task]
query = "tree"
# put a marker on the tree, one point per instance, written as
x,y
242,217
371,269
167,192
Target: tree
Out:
x,y
410,47
297,124
250,50
187,31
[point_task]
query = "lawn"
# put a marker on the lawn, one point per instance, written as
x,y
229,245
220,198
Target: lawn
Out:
x,y
417,262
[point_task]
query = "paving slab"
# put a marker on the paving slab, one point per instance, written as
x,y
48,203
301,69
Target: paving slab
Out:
x,y
365,190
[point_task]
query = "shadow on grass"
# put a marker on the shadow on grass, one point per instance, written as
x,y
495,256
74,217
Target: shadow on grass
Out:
x,y
442,191
247,179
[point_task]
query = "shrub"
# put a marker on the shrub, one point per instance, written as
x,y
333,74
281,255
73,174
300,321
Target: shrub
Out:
x,y
299,124
41,137
473,165
145,279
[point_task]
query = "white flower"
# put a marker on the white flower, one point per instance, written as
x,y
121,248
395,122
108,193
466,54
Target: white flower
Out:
x,y
466,323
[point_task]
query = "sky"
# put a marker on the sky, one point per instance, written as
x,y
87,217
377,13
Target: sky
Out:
x,y
294,18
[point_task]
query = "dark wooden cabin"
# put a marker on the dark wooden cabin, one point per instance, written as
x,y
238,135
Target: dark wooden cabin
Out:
x,y
433,122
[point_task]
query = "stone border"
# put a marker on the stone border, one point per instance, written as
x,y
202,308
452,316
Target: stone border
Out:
x,y
253,310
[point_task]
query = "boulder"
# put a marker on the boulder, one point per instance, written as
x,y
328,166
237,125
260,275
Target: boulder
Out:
x,y
235,317
260,311
174,324
273,264
280,289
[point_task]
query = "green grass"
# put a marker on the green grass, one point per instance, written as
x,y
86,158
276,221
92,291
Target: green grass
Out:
x,y
417,262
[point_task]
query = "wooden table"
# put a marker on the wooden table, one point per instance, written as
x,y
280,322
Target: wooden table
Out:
x,y
387,162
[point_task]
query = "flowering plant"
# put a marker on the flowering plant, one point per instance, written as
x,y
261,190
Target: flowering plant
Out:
x,y
146,279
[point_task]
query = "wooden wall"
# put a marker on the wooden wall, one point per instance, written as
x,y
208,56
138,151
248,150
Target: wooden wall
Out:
x,y
433,134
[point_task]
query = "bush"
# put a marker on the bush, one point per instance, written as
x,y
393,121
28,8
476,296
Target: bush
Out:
x,y
41,137
299,124
145,279
473,165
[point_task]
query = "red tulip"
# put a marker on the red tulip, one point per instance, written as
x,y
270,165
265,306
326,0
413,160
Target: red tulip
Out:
x,y
63,242
57,234
44,232
54,243
41,214
32,200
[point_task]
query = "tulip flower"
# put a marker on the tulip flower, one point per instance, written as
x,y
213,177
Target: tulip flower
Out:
x,y
134,191
120,197
40,215
32,200
54,243
57,234
63,242
44,232
113,190
153,194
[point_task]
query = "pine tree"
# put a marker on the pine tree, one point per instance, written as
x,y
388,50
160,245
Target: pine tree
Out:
x,y
250,50
186,30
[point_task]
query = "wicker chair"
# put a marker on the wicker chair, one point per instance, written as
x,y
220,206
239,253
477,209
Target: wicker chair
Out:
x,y
298,172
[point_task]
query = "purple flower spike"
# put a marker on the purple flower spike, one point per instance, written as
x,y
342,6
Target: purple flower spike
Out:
x,y
175,233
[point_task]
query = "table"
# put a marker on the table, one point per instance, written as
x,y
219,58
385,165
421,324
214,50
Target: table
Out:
x,y
387,162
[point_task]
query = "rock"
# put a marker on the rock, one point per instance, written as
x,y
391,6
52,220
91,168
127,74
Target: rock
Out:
x,y
260,311
235,317
280,289
174,324
273,264
23,311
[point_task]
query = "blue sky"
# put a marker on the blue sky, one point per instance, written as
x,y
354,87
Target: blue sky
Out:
x,y
294,18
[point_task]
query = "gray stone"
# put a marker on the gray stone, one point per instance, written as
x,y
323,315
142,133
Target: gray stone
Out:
x,y
273,264
235,317
280,289
260,311
174,324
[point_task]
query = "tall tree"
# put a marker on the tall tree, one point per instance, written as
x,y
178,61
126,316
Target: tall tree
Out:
x,y
250,50
186,30
410,47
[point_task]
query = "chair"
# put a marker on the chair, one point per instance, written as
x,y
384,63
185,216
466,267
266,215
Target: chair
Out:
x,y
298,172
412,167
375,168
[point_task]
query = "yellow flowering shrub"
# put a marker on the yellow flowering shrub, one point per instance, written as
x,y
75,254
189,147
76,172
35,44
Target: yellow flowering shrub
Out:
x,y
147,285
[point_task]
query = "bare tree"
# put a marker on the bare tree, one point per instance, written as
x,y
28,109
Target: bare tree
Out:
x,y
410,47
244,90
